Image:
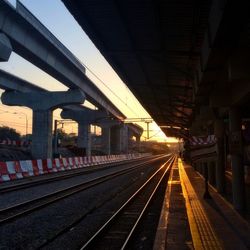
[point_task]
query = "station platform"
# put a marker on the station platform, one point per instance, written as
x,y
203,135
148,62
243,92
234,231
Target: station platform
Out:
x,y
188,221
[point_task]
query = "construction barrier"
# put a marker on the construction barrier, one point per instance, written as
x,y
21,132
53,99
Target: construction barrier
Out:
x,y
202,147
12,170
15,143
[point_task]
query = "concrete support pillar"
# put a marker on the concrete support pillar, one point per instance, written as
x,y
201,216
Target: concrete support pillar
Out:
x,y
119,139
136,131
84,137
42,104
106,136
124,139
84,117
116,140
220,161
111,136
41,146
138,142
130,140
131,143
238,183
5,48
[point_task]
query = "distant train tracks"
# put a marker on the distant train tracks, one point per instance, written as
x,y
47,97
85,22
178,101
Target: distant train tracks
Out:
x,y
13,212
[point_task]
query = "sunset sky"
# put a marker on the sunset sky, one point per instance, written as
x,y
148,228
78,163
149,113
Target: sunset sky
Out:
x,y
54,15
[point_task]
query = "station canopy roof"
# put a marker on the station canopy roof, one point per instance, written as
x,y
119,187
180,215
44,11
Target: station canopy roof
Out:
x,y
154,46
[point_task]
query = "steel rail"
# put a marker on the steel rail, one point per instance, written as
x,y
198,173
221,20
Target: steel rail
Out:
x,y
13,212
146,206
96,237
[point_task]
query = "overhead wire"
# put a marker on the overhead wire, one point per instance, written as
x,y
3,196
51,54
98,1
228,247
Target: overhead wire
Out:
x,y
97,77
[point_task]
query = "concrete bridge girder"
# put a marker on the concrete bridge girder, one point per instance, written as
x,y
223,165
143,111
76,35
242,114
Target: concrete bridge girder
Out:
x,y
5,48
108,123
11,82
41,48
42,104
85,115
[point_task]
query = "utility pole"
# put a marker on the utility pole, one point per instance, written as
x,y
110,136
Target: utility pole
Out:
x,y
147,122
55,137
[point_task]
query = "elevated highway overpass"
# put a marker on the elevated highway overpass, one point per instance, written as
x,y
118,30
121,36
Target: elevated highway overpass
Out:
x,y
25,35
82,115
33,41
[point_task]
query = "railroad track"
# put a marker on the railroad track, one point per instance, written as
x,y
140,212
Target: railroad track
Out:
x,y
118,230
18,210
62,176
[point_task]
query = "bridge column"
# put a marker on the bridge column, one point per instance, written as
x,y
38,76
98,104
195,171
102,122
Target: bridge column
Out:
x,y
137,139
109,135
42,104
125,139
115,140
136,131
138,142
119,139
84,137
220,161
106,139
238,182
41,146
5,48
84,117
130,140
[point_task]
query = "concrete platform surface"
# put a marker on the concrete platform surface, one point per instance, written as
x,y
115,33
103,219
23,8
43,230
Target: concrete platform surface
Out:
x,y
188,221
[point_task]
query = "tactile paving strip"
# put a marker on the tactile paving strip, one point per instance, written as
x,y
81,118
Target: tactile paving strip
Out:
x,y
202,232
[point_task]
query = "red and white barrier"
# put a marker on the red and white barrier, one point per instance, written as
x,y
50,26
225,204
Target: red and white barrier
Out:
x,y
15,143
203,147
12,170
202,141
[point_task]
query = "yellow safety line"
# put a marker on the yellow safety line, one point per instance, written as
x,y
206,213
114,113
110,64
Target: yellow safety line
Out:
x,y
202,232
